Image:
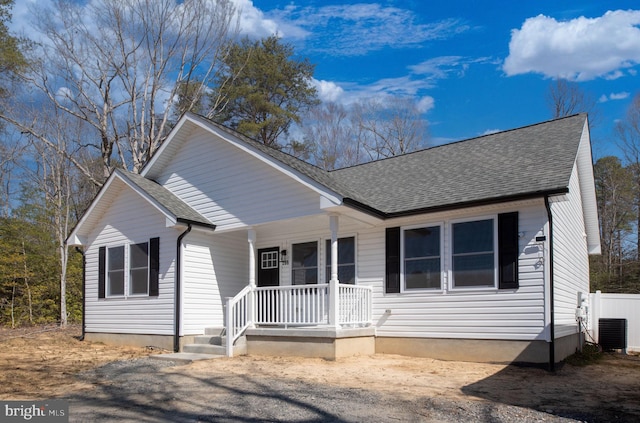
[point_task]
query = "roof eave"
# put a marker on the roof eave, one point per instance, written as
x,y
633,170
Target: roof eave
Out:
x,y
459,205
209,226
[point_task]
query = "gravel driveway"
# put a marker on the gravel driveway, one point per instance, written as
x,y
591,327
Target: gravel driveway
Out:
x,y
146,390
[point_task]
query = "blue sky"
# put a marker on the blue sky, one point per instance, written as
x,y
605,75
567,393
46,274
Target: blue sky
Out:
x,y
475,66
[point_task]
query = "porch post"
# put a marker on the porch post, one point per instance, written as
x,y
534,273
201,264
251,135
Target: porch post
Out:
x,y
334,297
251,237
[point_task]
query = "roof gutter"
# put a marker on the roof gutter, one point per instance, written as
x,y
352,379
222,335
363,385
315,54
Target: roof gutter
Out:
x,y
177,297
189,222
552,334
446,207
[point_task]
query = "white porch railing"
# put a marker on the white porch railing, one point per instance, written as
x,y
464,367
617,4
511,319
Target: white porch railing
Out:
x,y
238,316
292,305
354,304
297,305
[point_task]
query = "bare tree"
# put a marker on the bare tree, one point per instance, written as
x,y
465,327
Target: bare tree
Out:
x,y
390,127
52,175
332,135
565,98
10,152
615,191
117,66
628,132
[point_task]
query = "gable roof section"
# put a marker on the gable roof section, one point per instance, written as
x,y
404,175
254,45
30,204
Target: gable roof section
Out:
x,y
308,174
522,163
167,200
159,197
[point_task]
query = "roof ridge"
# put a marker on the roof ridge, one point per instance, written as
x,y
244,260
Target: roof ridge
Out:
x,y
459,142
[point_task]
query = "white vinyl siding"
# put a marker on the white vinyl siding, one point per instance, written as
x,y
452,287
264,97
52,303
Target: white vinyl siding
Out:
x,y
231,188
571,262
129,220
215,266
483,314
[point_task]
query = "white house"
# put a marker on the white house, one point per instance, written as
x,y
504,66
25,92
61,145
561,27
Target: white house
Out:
x,y
475,250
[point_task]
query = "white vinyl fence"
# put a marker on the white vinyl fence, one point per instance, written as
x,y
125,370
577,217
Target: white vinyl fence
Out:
x,y
619,306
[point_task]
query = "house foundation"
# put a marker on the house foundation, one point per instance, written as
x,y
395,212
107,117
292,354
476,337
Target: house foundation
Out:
x,y
478,350
164,342
325,343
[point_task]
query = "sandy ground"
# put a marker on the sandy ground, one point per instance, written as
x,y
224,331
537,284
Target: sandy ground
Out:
x,y
46,364
42,363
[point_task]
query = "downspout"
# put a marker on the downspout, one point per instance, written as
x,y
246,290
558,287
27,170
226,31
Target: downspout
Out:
x,y
552,334
84,282
176,335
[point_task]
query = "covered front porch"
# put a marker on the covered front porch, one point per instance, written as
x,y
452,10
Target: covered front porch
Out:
x,y
277,318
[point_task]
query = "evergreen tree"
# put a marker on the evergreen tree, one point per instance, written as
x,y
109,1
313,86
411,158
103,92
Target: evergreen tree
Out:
x,y
263,89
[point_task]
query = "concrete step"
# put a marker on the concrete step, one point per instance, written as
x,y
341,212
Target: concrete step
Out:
x,y
215,345
204,349
214,330
209,340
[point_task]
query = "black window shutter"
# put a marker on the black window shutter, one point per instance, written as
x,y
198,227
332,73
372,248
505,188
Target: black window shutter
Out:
x,y
154,266
508,250
392,260
102,264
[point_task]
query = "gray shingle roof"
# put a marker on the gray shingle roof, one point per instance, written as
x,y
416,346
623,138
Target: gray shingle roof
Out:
x,y
522,162
167,199
518,163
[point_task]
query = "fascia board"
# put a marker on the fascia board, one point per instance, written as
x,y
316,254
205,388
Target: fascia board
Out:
x,y
584,162
167,142
170,216
76,236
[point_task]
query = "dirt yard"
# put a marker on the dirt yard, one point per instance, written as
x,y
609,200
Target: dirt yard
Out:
x,y
50,364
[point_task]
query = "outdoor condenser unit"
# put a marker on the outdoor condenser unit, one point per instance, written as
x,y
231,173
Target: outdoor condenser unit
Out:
x,y
612,334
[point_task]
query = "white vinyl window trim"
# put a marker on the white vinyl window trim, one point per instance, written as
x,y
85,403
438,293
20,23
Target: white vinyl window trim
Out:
x,y
327,253
115,266
139,269
304,269
452,255
403,258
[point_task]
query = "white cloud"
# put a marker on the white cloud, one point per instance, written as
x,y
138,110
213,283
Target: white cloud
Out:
x,y
63,93
426,103
614,96
356,29
252,20
580,49
619,96
327,90
491,131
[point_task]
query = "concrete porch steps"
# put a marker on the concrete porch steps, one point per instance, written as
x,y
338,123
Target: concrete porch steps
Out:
x,y
210,345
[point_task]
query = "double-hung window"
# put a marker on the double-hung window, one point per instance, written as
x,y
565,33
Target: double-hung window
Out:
x,y
480,254
346,260
130,271
473,254
422,258
139,269
115,271
304,263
